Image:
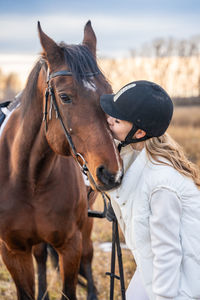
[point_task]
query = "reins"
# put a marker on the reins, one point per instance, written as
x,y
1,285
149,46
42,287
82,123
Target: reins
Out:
x,y
84,168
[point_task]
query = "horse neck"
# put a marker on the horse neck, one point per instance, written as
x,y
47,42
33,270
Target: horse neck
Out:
x,y
31,155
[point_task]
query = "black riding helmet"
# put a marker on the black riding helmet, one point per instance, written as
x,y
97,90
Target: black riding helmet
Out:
x,y
143,103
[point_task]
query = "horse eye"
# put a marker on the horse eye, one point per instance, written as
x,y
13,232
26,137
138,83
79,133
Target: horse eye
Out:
x,y
65,98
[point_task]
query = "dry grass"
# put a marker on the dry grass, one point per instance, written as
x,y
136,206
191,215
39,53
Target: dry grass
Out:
x,y
186,116
185,129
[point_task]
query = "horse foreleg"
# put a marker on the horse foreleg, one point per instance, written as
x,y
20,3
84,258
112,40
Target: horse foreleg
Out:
x,y
86,271
20,266
86,260
69,261
40,254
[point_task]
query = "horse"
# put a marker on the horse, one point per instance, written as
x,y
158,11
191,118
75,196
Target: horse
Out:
x,y
43,195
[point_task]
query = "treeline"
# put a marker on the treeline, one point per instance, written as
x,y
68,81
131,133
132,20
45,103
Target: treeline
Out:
x,y
189,101
165,47
180,76
172,63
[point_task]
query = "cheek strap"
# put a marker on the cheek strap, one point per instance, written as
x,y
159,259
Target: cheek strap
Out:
x,y
129,140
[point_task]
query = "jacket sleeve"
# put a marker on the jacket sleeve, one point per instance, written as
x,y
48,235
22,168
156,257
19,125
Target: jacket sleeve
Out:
x,y
165,221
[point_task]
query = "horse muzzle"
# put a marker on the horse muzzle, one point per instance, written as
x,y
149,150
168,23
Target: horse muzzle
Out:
x,y
108,180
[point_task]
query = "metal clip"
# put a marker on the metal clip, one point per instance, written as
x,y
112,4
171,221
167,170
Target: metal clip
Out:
x,y
83,166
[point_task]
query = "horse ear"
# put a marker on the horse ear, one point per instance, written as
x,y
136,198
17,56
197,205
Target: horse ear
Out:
x,y
90,38
51,50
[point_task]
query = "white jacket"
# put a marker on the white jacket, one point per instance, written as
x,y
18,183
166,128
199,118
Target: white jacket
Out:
x,y
158,210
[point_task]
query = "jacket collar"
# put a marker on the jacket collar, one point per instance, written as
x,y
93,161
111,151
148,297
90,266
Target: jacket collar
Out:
x,y
131,177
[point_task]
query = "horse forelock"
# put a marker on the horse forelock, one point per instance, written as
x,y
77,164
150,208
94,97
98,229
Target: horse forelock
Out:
x,y
80,62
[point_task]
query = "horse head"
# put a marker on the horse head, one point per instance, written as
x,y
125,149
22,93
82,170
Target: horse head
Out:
x,y
75,84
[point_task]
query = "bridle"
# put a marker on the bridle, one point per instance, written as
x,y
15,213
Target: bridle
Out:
x,y
49,93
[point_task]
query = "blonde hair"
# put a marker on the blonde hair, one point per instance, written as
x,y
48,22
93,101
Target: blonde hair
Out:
x,y
165,146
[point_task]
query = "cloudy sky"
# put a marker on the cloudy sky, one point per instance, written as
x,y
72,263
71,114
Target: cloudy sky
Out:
x,y
120,25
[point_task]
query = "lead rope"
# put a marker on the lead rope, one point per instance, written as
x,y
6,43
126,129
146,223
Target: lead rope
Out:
x,y
96,214
116,243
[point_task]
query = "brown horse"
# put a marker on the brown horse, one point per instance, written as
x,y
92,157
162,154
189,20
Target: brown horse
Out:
x,y
43,195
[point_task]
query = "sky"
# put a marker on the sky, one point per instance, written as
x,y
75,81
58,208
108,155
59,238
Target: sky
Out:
x,y
120,25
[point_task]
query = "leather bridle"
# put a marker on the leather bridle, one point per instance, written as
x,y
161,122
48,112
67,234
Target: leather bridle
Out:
x,y
49,93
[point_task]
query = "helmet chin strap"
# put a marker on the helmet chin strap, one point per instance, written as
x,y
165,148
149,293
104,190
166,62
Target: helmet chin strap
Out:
x,y
129,140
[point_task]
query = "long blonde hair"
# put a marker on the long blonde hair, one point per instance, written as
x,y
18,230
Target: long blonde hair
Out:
x,y
165,146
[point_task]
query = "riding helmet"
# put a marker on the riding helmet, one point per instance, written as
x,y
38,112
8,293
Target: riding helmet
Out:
x,y
143,103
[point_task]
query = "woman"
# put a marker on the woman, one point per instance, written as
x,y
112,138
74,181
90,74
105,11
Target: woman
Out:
x,y
158,202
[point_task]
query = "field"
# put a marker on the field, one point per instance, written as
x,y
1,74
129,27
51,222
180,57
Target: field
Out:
x,y
185,129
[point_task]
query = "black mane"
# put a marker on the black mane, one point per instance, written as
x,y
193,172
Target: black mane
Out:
x,y
30,90
80,61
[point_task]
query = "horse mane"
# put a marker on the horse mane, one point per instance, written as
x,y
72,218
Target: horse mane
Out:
x,y
29,93
80,61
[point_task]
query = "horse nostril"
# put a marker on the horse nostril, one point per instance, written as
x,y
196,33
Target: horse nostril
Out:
x,y
108,179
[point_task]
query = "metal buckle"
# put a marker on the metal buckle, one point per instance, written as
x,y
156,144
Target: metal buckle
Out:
x,y
83,166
